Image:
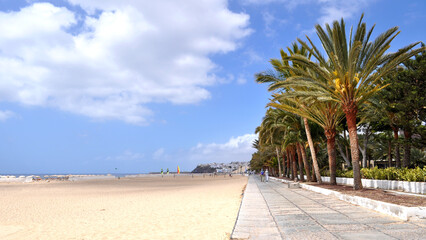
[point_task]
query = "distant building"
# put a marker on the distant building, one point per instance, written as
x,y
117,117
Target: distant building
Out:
x,y
232,167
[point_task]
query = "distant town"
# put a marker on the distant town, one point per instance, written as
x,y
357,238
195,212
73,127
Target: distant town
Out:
x,y
232,167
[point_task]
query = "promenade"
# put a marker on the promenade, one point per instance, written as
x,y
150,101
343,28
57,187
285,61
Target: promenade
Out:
x,y
271,210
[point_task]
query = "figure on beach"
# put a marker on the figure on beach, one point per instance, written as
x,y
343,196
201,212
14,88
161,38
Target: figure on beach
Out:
x,y
262,175
161,172
266,175
167,171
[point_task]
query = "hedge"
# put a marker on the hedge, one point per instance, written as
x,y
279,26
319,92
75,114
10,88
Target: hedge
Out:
x,y
400,174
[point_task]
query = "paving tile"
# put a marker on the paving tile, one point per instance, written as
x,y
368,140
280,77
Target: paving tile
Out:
x,y
364,235
273,211
377,220
310,236
394,226
291,217
346,227
296,223
407,233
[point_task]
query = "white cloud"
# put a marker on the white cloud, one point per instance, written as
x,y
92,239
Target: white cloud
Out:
x,y
288,4
252,57
335,10
242,80
134,53
329,10
236,149
4,115
127,155
159,154
270,21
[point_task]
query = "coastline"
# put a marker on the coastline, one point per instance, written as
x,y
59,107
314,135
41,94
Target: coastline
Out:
x,y
148,207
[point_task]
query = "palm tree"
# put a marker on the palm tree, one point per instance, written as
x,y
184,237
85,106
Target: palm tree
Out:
x,y
326,114
270,132
293,139
352,72
290,142
281,74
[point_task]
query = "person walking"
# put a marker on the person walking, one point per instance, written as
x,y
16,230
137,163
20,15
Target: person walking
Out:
x,y
266,175
262,175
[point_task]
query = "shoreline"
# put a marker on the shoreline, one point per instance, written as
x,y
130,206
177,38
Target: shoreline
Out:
x,y
183,207
80,177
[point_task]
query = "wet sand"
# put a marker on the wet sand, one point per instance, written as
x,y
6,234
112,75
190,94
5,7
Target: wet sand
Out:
x,y
129,208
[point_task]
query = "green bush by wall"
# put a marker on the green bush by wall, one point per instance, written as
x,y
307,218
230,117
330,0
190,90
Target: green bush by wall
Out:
x,y
400,174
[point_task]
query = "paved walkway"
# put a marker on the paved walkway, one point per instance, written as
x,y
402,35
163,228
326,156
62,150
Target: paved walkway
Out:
x,y
273,211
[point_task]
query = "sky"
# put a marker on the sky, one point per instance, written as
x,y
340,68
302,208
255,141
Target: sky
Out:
x,y
106,86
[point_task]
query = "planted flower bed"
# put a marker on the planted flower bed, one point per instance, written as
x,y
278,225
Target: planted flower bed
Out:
x,y
407,180
400,174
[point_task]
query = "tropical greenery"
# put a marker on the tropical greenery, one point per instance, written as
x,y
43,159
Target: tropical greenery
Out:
x,y
400,174
358,88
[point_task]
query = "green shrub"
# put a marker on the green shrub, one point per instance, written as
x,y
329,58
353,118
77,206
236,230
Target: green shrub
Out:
x,y
347,173
401,174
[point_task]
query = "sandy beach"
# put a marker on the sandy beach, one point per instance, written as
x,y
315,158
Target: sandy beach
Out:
x,y
128,208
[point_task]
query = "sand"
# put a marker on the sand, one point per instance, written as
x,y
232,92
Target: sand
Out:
x,y
129,208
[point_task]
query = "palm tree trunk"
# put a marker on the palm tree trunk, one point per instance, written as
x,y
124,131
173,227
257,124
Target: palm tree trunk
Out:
x,y
331,150
278,161
305,162
284,166
299,158
294,164
314,178
290,171
288,162
311,147
390,153
350,112
397,156
364,155
407,147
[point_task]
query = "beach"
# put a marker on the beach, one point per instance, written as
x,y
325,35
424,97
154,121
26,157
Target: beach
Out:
x,y
181,207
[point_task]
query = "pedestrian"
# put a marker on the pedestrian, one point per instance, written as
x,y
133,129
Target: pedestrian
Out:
x,y
262,175
266,175
161,172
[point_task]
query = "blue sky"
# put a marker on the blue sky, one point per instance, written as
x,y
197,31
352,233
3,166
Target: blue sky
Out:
x,y
90,86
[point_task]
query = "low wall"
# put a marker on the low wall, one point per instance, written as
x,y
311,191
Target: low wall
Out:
x,y
20,179
401,212
27,179
411,187
89,177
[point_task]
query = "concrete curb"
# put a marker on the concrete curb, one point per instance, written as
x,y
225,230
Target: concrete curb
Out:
x,y
401,212
238,214
410,187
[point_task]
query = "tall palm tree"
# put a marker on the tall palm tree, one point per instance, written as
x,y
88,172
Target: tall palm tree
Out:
x,y
293,139
352,71
280,74
271,132
290,143
326,114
